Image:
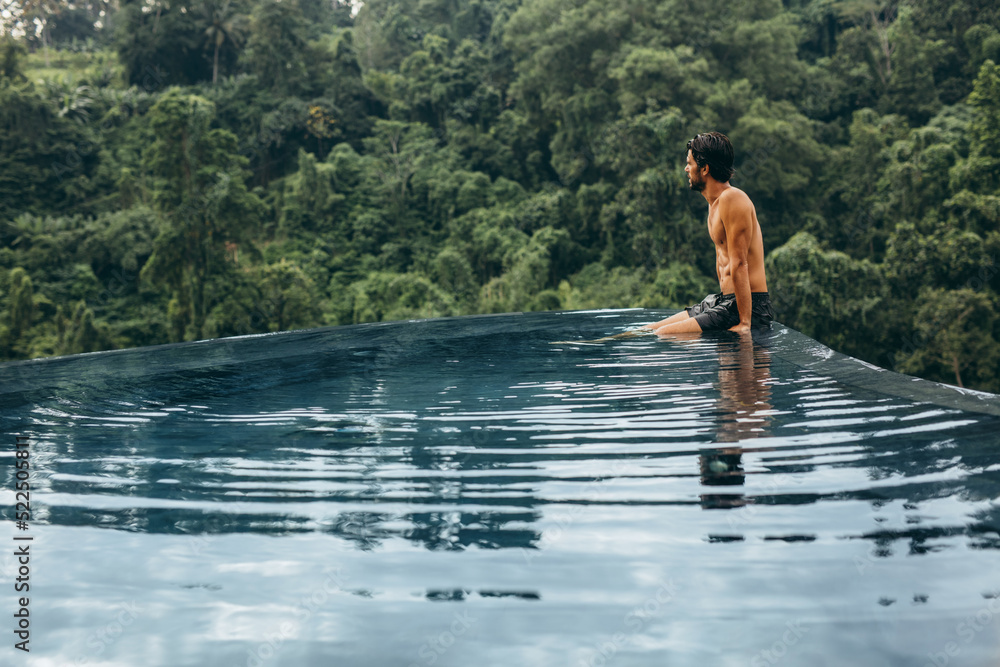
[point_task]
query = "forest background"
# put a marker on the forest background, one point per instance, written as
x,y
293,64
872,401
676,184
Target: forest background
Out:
x,y
176,169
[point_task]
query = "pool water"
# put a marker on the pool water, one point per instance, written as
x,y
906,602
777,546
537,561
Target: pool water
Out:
x,y
496,490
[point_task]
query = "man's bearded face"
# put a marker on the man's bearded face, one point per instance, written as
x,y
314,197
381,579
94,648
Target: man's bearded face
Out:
x,y
695,179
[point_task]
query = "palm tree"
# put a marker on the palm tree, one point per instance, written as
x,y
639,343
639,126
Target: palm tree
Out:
x,y
224,24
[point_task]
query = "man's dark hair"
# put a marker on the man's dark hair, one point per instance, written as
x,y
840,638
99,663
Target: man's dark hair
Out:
x,y
715,150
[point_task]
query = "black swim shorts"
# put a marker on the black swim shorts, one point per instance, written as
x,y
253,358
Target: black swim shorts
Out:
x,y
719,311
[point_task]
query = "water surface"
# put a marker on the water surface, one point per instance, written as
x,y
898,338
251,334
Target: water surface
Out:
x,y
469,491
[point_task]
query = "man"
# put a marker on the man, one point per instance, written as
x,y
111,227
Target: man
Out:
x,y
739,249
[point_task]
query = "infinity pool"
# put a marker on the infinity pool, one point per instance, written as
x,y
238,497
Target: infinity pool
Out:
x,y
472,491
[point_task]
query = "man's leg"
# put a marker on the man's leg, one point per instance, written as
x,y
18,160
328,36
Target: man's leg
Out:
x,y
688,325
683,315
676,317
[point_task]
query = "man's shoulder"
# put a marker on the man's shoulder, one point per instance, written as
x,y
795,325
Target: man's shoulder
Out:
x,y
733,195
734,200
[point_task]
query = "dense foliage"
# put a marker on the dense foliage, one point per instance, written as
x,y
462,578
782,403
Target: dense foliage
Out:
x,y
237,166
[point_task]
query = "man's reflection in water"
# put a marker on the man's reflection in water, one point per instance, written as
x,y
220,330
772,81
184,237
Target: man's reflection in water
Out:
x,y
744,412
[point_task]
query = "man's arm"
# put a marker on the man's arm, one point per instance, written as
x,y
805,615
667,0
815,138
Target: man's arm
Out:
x,y
737,218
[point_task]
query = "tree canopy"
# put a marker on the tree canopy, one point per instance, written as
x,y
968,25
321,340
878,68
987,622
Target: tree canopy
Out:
x,y
178,170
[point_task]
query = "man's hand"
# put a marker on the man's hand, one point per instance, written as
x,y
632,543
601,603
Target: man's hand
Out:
x,y
741,329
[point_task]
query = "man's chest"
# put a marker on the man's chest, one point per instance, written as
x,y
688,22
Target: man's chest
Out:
x,y
716,230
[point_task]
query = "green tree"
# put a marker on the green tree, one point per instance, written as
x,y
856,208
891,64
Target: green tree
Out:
x,y
267,298
911,89
83,333
21,312
160,42
202,197
11,58
829,296
395,296
952,341
276,47
42,166
396,152
975,180
225,26
311,202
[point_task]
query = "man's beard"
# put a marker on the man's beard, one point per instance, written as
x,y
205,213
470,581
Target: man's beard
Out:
x,y
696,185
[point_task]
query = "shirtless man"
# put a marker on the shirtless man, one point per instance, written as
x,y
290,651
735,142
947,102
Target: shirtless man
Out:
x,y
739,249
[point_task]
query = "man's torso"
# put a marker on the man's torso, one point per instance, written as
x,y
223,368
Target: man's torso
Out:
x,y
755,253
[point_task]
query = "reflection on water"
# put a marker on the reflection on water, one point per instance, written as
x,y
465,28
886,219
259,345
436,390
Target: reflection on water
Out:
x,y
548,490
744,388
